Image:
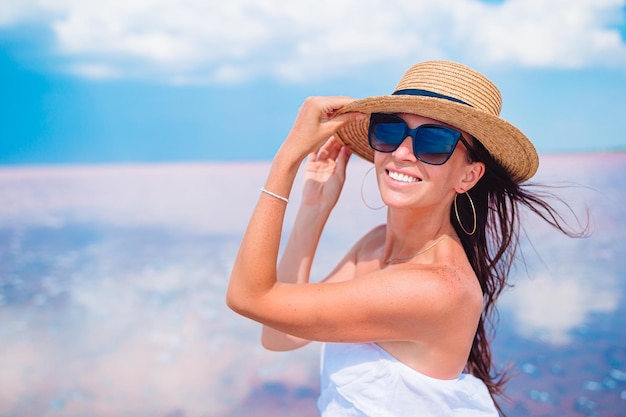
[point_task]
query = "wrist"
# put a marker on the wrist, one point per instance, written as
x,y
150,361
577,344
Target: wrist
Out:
x,y
316,209
312,218
282,174
289,157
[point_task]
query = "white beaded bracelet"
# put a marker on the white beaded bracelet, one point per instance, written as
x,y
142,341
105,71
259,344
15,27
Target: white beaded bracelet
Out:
x,y
286,200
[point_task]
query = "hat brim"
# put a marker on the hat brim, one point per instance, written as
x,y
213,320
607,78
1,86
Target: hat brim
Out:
x,y
506,143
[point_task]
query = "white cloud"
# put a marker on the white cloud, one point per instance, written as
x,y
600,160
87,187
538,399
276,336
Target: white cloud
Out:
x,y
198,40
95,71
559,33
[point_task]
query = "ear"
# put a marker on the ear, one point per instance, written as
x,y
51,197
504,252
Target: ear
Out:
x,y
473,173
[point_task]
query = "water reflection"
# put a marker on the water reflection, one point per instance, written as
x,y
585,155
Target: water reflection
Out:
x,y
552,305
112,282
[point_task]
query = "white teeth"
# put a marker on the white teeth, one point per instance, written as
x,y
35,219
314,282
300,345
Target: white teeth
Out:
x,y
402,177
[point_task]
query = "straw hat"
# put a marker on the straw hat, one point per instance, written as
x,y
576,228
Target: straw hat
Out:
x,y
454,94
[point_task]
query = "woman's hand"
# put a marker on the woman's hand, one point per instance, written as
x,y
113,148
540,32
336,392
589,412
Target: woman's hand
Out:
x,y
324,175
315,123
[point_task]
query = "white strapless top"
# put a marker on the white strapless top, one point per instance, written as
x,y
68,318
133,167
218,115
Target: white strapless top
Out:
x,y
363,380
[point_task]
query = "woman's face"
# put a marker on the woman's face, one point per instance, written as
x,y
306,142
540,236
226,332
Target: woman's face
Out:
x,y
405,181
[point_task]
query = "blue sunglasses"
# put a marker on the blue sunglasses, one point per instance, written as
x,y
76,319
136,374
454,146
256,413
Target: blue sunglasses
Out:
x,y
432,144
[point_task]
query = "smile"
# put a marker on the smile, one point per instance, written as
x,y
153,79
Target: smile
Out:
x,y
401,177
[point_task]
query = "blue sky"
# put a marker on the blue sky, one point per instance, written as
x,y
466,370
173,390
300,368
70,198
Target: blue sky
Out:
x,y
86,81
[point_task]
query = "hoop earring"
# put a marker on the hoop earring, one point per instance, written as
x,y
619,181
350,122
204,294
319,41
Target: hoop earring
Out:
x,y
363,194
458,218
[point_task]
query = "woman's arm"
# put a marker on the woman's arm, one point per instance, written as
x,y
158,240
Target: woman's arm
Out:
x,y
254,273
324,175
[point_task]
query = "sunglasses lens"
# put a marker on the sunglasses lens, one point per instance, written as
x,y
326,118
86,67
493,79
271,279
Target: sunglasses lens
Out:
x,y
386,132
434,143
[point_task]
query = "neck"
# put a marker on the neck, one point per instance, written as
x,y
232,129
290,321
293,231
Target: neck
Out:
x,y
410,233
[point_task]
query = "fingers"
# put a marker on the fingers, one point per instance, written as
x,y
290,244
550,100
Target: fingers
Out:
x,y
336,122
331,104
350,116
329,150
342,159
317,120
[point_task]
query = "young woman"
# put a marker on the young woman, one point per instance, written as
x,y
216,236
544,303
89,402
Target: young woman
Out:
x,y
405,314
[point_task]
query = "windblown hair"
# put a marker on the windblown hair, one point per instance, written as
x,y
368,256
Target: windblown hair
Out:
x,y
492,249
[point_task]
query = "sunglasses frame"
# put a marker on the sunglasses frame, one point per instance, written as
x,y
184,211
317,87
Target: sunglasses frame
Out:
x,y
413,133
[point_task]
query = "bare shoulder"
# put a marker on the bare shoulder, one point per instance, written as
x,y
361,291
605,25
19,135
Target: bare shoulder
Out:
x,y
438,284
458,284
446,279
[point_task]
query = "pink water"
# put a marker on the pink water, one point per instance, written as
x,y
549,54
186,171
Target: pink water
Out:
x,y
112,281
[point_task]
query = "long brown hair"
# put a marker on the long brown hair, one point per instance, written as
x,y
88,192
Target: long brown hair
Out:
x,y
492,249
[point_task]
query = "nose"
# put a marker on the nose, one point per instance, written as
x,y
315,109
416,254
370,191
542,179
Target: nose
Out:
x,y
404,151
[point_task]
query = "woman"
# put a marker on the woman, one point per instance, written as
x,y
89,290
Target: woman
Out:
x,y
405,313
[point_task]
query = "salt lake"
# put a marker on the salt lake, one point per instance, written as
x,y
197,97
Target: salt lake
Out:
x,y
112,282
